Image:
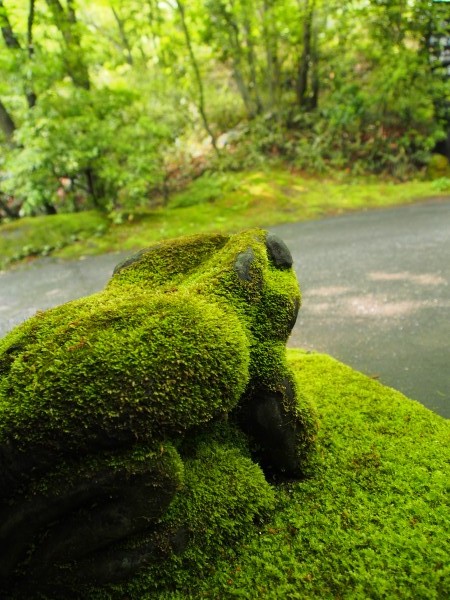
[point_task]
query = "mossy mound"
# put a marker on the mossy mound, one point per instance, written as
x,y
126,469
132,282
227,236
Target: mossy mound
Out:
x,y
372,522
100,397
438,166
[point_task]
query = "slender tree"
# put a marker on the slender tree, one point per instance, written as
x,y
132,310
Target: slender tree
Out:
x,y
271,51
66,21
198,77
12,42
306,56
30,92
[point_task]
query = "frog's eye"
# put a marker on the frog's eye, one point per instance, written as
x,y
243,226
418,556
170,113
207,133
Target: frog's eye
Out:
x,y
243,263
278,252
130,261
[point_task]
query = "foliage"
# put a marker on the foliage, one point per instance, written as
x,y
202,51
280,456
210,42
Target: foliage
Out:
x,y
124,101
118,138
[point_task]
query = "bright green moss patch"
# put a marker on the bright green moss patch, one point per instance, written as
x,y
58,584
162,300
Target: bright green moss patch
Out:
x,y
253,199
372,522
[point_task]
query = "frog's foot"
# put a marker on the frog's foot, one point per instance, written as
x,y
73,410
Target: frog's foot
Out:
x,y
66,525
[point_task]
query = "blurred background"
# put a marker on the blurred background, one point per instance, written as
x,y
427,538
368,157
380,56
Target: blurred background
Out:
x,y
118,104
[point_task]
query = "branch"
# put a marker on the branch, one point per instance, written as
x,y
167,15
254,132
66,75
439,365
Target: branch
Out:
x,y
120,24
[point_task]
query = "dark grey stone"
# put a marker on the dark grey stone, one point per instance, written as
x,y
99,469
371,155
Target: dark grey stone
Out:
x,y
268,417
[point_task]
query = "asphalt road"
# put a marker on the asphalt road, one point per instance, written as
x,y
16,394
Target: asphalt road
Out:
x,y
375,293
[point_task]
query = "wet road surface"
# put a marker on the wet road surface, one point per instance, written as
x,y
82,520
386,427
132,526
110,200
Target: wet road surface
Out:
x,y
375,290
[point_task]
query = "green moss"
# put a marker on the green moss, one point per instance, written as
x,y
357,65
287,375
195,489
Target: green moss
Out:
x,y
40,236
374,519
161,463
225,494
372,522
224,499
165,347
118,365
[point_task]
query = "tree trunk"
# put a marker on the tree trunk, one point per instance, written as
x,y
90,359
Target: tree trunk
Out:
x,y
198,79
270,44
67,24
29,92
237,58
251,60
94,187
305,59
242,88
7,124
315,81
12,42
8,34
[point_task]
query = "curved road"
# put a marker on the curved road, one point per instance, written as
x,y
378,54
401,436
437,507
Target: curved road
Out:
x,y
375,293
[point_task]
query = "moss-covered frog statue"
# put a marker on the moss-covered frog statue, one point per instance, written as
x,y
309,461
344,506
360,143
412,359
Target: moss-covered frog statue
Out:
x,y
106,402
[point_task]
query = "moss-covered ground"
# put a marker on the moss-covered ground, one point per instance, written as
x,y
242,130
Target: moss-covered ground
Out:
x,y
215,202
373,521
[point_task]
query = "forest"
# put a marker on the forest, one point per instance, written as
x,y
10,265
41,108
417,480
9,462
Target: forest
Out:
x,y
116,104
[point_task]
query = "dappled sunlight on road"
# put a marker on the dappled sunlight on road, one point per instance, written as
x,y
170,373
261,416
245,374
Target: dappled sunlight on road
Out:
x,y
430,279
369,305
360,301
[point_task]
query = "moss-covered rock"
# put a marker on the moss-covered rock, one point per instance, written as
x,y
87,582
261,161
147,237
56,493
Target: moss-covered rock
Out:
x,y
101,399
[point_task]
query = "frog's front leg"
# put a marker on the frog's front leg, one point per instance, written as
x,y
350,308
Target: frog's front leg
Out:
x,y
66,522
277,418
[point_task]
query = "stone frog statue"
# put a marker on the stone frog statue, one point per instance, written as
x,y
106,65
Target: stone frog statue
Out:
x,y
102,399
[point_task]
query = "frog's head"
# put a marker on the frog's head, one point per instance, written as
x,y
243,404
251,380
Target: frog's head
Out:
x,y
264,269
249,272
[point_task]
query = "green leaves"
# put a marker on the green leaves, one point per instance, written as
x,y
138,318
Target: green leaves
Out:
x,y
129,97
